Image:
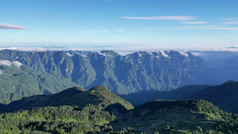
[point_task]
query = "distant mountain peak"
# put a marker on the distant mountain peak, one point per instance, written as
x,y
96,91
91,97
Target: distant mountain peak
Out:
x,y
100,91
230,82
169,53
164,53
108,53
161,53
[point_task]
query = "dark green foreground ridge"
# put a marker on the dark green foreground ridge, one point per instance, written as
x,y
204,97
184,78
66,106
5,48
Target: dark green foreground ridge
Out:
x,y
98,96
97,110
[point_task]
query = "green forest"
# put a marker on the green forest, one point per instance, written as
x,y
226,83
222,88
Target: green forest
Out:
x,y
105,112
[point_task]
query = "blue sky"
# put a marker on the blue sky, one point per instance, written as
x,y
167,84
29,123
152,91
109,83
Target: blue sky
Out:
x,y
119,23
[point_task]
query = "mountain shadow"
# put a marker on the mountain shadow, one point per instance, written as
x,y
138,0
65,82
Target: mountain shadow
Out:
x,y
225,96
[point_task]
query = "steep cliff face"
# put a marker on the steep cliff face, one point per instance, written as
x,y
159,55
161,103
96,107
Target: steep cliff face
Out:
x,y
162,70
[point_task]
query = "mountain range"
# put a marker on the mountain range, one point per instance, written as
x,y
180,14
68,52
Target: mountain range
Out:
x,y
138,71
138,77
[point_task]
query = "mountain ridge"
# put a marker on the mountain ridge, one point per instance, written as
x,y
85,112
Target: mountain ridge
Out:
x,y
224,96
105,112
75,96
131,73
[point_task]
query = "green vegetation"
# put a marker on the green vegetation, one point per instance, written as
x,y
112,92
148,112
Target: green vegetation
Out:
x,y
97,110
98,96
225,96
16,83
70,111
180,117
62,119
77,110
139,71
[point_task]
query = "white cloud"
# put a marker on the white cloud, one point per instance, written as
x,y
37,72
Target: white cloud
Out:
x,y
195,22
231,22
209,27
105,31
154,29
37,49
177,18
147,29
9,63
5,63
69,54
120,30
89,31
14,27
196,53
17,64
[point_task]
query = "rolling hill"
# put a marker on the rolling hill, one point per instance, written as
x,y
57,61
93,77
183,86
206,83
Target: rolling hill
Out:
x,y
96,110
179,117
225,96
76,96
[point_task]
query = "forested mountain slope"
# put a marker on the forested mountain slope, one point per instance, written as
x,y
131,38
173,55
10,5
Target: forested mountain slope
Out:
x,y
225,96
139,71
77,110
18,80
76,96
